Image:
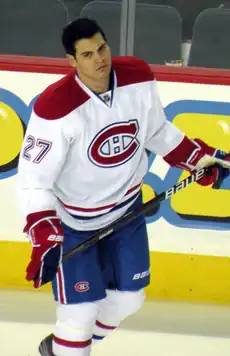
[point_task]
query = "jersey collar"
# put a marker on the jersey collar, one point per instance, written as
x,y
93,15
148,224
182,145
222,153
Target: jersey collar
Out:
x,y
99,98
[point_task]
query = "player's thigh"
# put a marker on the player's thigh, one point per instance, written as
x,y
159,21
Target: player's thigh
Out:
x,y
131,260
124,257
79,278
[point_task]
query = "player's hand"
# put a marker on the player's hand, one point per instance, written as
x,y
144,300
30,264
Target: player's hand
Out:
x,y
46,236
209,156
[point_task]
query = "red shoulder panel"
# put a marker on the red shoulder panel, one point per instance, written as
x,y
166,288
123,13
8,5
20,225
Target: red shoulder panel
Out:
x,y
131,70
60,98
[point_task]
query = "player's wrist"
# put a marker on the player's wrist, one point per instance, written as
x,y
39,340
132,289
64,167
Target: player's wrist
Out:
x,y
34,218
44,228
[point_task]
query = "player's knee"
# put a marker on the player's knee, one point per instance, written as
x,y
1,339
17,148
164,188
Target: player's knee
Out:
x,y
126,302
76,321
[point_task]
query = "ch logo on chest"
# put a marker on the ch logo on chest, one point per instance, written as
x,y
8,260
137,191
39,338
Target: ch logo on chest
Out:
x,y
115,144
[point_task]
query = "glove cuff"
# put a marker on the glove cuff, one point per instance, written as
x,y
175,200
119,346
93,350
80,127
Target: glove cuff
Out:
x,y
35,218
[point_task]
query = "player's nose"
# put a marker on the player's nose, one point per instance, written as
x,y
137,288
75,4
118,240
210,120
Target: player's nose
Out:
x,y
99,58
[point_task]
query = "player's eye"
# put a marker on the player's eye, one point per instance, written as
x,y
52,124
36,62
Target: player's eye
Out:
x,y
87,55
102,47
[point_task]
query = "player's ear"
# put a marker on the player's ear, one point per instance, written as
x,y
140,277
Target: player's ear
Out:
x,y
72,60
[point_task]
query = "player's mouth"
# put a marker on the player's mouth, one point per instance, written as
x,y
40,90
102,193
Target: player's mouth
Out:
x,y
102,67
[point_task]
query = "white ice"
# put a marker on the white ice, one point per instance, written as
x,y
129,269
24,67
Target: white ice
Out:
x,y
160,329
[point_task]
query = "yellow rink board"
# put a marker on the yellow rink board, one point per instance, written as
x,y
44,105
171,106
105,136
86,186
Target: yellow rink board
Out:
x,y
174,276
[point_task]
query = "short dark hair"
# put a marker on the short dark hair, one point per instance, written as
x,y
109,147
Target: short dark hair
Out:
x,y
77,30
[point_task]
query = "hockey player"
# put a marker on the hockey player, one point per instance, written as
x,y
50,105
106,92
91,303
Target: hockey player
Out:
x,y
81,167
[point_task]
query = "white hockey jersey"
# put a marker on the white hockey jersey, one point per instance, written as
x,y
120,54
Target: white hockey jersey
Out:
x,y
84,155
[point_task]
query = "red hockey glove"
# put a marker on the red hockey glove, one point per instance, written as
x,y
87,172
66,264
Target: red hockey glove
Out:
x,y
195,154
46,236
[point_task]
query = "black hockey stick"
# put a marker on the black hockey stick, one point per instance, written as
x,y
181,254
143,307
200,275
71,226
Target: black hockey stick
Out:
x,y
142,209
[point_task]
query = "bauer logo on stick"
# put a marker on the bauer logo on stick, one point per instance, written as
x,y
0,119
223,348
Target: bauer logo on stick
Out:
x,y
183,184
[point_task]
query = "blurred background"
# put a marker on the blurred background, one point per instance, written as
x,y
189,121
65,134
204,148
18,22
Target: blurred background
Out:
x,y
168,32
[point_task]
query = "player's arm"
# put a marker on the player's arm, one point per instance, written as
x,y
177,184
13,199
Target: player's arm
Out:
x,y
174,146
41,159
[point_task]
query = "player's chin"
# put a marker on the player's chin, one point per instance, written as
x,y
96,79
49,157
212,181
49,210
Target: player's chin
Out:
x,y
102,75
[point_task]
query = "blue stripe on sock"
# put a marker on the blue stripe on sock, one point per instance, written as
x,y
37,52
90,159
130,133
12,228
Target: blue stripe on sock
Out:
x,y
96,337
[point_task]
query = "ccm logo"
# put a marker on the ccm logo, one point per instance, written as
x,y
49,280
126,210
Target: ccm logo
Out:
x,y
82,287
57,238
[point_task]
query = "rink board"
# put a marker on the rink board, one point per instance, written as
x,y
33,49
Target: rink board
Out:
x,y
174,276
188,235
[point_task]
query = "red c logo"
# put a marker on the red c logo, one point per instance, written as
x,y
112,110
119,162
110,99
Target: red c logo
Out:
x,y
82,287
115,144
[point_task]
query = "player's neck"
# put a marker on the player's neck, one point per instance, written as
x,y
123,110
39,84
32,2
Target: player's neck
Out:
x,y
97,86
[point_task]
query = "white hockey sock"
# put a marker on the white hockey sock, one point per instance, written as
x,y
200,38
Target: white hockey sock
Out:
x,y
73,330
114,309
100,331
63,347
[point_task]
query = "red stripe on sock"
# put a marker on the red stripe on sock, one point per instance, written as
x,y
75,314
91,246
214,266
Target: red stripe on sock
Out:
x,y
103,326
73,344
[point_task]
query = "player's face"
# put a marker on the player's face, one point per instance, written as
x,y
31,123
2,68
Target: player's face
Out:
x,y
93,57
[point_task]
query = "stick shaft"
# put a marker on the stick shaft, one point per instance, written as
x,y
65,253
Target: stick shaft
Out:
x,y
142,209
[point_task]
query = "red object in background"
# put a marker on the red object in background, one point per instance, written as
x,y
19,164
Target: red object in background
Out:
x,y
162,72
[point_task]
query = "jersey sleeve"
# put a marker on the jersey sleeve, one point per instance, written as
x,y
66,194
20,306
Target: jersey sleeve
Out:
x,y
41,158
162,136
